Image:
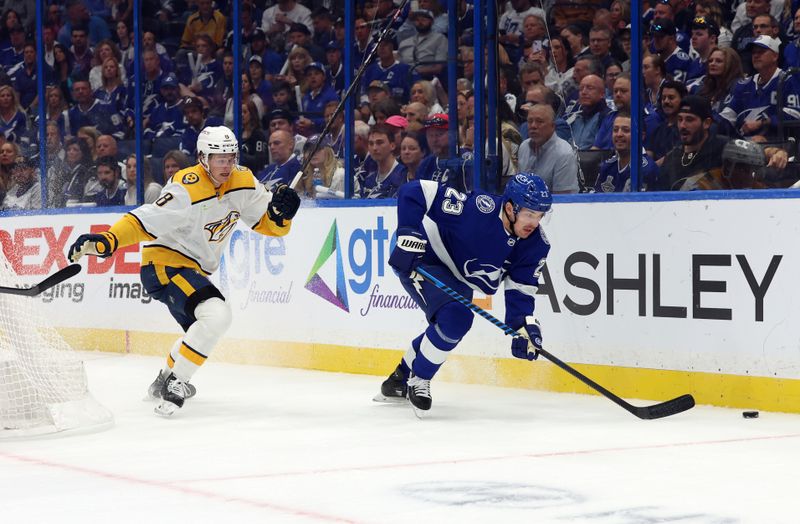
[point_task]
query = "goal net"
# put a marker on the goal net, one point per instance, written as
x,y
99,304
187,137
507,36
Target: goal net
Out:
x,y
43,385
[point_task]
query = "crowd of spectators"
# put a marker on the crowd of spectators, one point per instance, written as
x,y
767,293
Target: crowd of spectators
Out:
x,y
710,73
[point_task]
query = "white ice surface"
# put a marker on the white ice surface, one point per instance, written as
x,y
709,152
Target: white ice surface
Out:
x,y
279,445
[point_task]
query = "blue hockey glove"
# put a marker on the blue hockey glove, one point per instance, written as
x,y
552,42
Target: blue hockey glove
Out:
x,y
527,346
102,245
408,252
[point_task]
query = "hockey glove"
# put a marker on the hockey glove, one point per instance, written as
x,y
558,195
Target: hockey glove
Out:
x,y
408,252
527,346
284,205
102,245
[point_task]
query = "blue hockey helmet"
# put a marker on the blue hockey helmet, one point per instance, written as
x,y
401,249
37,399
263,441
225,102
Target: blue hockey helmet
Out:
x,y
529,191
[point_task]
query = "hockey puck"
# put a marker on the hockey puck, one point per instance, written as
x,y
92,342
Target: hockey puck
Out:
x,y
750,414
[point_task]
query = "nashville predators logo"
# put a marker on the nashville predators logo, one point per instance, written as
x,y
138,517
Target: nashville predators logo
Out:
x,y
190,178
220,229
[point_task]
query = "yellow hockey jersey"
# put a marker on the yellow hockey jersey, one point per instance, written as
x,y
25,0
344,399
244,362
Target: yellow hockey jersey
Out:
x,y
190,223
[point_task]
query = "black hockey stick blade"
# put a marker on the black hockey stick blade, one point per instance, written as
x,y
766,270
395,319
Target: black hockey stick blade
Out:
x,y
53,280
664,409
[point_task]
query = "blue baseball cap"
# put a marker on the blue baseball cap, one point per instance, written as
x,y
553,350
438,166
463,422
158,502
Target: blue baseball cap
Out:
x,y
314,65
170,81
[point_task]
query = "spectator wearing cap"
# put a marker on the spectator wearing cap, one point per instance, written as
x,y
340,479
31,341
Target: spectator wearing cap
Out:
x,y
207,21
113,187
399,123
592,109
23,76
754,105
425,47
665,10
322,21
284,164
745,34
433,167
166,121
194,115
395,75
676,61
335,66
704,39
279,17
385,175
699,150
300,36
282,120
320,92
25,191
440,22
258,84
546,154
253,142
88,111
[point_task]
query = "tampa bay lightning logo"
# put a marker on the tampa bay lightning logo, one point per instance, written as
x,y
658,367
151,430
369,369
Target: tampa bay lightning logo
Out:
x,y
485,204
486,273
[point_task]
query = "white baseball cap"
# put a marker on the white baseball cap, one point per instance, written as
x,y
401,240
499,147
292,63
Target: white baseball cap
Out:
x,y
767,42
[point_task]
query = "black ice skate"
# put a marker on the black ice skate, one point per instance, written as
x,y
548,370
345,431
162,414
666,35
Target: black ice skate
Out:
x,y
394,388
173,393
154,391
419,394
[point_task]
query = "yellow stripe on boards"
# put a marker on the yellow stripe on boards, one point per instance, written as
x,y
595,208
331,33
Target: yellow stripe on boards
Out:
x,y
191,355
715,389
183,285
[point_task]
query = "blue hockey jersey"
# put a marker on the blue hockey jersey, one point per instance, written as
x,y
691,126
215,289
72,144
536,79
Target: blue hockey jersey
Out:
x,y
749,102
465,234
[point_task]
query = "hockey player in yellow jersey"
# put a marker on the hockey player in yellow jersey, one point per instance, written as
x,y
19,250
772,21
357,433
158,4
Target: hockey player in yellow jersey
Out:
x,y
184,233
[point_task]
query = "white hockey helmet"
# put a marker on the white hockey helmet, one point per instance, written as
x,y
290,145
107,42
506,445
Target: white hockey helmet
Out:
x,y
215,140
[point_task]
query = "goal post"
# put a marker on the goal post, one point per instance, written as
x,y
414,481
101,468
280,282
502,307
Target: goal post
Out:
x,y
43,383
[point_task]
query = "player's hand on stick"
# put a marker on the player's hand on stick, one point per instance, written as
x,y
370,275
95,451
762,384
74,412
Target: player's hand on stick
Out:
x,y
100,245
284,205
408,252
527,346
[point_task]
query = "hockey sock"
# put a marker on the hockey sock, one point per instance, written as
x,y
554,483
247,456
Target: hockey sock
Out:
x,y
453,321
213,319
411,353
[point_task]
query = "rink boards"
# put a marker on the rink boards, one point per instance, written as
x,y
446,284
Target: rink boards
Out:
x,y
652,299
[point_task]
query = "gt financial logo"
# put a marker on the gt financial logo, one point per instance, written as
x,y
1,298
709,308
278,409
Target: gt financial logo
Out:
x,y
366,256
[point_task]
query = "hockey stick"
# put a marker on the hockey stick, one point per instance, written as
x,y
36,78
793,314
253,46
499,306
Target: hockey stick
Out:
x,y
53,280
664,409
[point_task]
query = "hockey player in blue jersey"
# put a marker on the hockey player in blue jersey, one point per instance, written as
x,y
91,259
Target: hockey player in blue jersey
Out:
x,y
471,243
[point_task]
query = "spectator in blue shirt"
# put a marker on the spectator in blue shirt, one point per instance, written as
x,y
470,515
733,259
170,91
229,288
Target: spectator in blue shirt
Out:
x,y
319,93
285,165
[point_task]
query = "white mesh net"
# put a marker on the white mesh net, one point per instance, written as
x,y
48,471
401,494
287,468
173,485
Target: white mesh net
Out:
x,y
43,385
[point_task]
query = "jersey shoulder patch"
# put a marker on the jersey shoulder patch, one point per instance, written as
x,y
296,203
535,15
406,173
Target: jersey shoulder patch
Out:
x,y
485,204
194,180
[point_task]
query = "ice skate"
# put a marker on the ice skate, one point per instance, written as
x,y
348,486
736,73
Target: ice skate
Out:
x,y
393,389
154,391
172,396
419,394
